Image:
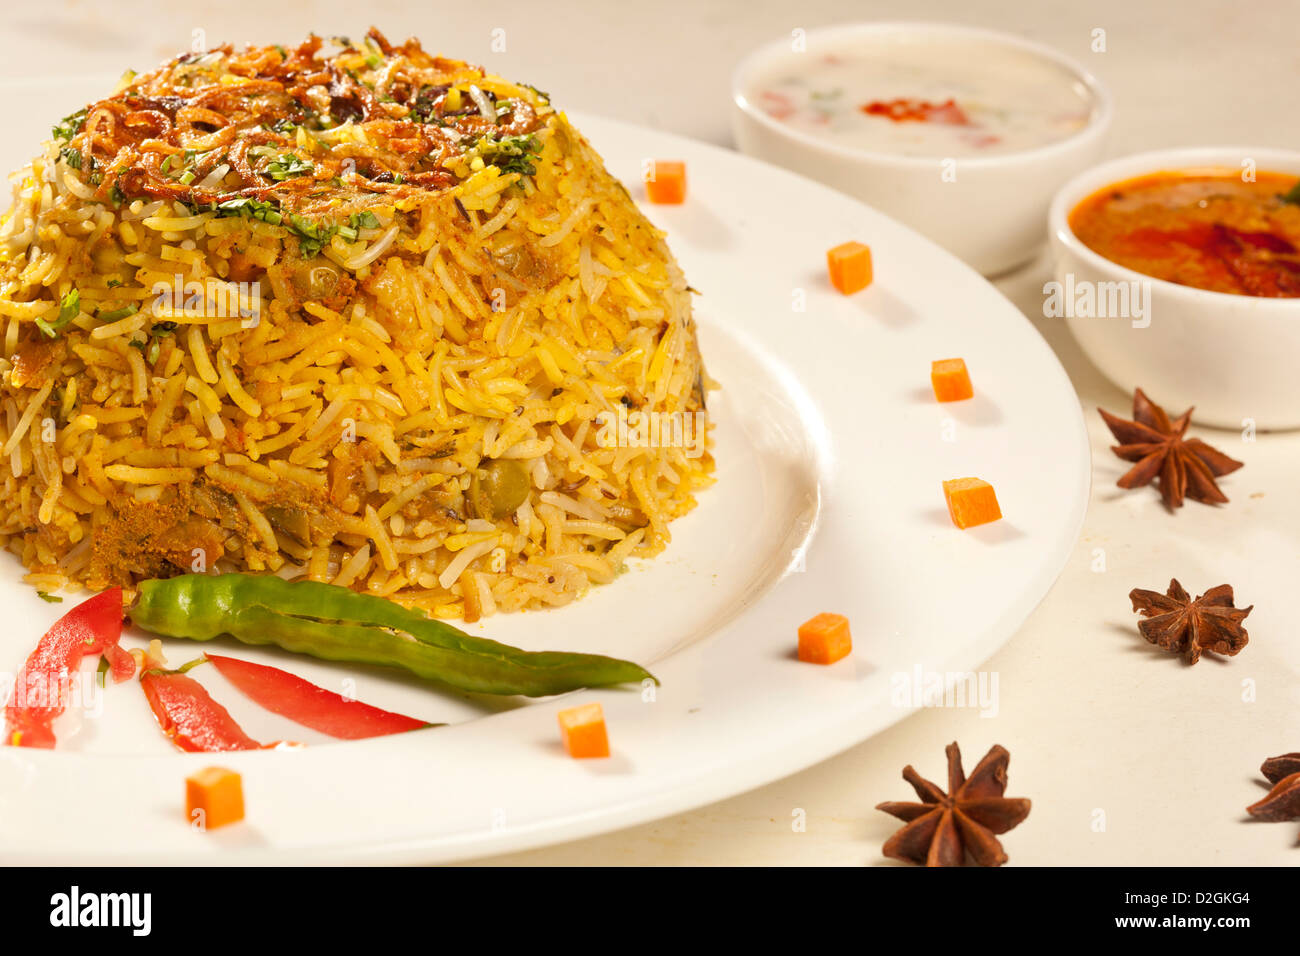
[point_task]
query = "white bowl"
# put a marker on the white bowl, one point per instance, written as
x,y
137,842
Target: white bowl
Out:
x,y
990,215
1232,356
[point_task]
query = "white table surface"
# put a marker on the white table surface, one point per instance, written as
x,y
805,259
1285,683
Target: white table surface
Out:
x,y
1129,756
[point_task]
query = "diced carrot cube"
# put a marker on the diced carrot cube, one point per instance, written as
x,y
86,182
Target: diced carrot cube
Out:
x,y
971,501
850,267
824,639
950,379
583,730
214,797
665,181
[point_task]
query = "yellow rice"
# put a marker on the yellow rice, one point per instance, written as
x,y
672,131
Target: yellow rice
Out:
x,y
335,433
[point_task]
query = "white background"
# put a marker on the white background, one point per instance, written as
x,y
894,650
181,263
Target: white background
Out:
x,y
1129,756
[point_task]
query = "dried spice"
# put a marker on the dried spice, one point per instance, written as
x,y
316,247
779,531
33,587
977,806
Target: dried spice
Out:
x,y
1283,801
1176,623
1275,768
944,828
1186,467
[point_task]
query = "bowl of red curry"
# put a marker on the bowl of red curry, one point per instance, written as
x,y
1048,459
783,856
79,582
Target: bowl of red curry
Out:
x,y
1179,271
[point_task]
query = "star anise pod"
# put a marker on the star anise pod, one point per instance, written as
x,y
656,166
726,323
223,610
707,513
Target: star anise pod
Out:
x,y
1186,467
1275,768
1283,801
1176,623
946,827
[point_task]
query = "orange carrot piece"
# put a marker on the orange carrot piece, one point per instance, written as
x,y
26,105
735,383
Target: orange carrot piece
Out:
x,y
971,501
824,639
665,181
850,267
950,380
583,730
214,797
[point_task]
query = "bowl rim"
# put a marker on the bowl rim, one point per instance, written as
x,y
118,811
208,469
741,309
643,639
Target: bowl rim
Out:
x,y
1150,162
1096,127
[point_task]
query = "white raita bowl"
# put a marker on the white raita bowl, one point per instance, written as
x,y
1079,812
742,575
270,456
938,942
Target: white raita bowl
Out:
x,y
987,210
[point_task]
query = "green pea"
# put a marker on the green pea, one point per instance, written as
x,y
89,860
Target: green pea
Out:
x,y
498,487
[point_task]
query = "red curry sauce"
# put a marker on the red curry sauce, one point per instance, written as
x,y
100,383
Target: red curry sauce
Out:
x,y
1206,230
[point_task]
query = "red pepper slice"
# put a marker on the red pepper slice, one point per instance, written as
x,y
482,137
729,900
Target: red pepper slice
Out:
x,y
1255,262
907,110
190,717
303,702
40,691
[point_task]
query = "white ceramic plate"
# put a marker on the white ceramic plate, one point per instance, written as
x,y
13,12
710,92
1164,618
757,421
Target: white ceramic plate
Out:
x,y
830,454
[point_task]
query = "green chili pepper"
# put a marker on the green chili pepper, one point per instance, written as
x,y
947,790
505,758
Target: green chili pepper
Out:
x,y
337,624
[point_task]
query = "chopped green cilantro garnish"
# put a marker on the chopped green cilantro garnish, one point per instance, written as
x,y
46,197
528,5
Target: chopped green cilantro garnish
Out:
x,y
70,125
71,156
69,309
49,598
118,314
150,346
312,237
1292,195
510,154
265,211
288,166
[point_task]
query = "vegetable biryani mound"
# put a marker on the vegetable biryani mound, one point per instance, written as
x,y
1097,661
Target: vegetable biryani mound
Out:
x,y
346,312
